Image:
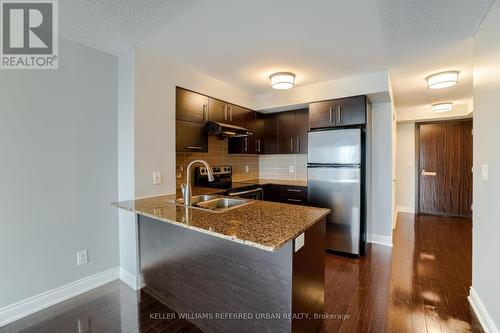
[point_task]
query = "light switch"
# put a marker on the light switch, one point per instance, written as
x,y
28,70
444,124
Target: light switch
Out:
x,y
299,242
156,178
247,169
484,172
291,169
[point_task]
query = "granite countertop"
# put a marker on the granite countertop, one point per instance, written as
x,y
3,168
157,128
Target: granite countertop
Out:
x,y
260,181
262,224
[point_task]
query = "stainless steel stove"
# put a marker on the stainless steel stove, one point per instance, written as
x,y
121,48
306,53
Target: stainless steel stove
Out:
x,y
223,179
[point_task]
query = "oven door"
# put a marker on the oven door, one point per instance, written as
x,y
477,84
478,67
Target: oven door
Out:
x,y
255,194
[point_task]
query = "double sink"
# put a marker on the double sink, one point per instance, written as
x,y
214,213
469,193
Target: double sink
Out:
x,y
214,202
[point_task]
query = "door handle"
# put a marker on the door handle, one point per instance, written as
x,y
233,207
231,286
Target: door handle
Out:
x,y
258,145
298,145
428,173
331,117
225,112
205,112
246,144
291,145
339,114
194,147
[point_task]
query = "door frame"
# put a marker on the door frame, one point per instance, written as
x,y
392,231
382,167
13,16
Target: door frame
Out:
x,y
417,159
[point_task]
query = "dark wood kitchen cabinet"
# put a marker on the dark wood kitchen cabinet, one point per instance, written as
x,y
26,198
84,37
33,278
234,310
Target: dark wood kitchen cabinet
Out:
x,y
190,136
249,144
190,106
226,112
292,131
348,111
271,192
269,136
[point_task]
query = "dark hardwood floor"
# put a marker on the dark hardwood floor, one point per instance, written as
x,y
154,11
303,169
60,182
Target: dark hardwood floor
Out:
x,y
419,286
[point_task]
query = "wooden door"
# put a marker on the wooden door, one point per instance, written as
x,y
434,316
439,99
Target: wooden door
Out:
x,y
445,168
286,132
190,106
217,110
269,143
190,137
235,115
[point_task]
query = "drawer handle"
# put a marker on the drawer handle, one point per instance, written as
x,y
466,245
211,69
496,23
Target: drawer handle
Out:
x,y
294,200
293,190
194,147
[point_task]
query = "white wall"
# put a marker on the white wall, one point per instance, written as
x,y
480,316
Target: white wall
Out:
x,y
373,83
126,182
58,172
155,81
405,167
382,174
486,227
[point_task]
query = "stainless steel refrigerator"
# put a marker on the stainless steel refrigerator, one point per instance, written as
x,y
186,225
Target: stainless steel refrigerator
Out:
x,y
335,173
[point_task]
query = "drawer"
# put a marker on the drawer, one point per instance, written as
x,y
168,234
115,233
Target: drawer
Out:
x,y
295,200
293,191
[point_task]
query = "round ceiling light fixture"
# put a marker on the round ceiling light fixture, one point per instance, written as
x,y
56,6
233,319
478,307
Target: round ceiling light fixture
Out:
x,y
442,80
282,80
442,107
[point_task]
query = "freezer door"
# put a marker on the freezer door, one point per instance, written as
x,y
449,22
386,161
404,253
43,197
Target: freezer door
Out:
x,y
339,189
341,146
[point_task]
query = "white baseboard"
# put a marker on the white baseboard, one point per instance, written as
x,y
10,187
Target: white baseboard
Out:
x,y
39,302
481,313
130,279
381,240
405,209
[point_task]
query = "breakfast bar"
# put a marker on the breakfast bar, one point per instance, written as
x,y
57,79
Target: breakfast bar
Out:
x,y
255,267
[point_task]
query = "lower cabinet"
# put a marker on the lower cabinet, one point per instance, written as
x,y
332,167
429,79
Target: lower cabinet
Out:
x,y
296,195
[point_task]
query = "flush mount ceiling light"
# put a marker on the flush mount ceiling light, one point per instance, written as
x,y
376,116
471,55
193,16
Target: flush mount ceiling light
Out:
x,y
442,80
442,107
282,80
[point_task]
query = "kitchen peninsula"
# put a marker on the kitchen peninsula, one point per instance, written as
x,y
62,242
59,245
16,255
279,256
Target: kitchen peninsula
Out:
x,y
261,263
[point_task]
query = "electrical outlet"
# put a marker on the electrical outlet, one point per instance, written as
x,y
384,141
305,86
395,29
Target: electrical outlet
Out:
x,y
82,257
484,172
156,177
247,169
291,169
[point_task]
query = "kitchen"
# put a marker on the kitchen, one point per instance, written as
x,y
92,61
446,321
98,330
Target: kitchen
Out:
x,y
172,188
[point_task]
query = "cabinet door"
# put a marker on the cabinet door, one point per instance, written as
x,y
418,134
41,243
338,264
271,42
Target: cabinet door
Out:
x,y
191,136
301,128
258,129
322,114
190,106
235,115
270,135
249,122
272,192
217,110
286,132
351,111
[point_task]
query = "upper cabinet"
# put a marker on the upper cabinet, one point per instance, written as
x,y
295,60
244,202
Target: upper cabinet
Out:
x,y
348,111
190,106
225,112
292,131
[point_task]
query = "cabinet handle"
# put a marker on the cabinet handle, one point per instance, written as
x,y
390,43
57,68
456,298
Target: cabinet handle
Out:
x,y
258,145
225,112
291,145
205,112
194,147
294,200
298,145
246,144
331,118
230,114
294,190
339,114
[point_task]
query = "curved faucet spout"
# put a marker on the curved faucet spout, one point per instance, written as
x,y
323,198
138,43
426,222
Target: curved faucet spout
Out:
x,y
186,194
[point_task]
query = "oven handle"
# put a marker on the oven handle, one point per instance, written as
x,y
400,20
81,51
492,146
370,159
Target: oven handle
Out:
x,y
245,192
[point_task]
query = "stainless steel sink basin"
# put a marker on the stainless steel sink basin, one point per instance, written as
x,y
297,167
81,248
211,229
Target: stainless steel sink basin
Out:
x,y
222,203
198,198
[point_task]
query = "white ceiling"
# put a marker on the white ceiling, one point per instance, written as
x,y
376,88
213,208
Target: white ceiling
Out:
x,y
242,42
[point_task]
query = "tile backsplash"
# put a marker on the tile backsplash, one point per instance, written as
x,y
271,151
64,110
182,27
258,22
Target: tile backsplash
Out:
x,y
278,166
217,155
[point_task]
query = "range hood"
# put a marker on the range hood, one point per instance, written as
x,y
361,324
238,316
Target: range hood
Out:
x,y
227,130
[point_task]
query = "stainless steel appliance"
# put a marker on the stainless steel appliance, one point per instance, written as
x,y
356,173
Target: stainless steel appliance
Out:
x,y
223,180
335,173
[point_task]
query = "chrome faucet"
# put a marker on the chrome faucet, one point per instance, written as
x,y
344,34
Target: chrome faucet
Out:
x,y
186,188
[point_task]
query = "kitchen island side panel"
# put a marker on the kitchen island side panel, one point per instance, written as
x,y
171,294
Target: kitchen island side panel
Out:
x,y
193,272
